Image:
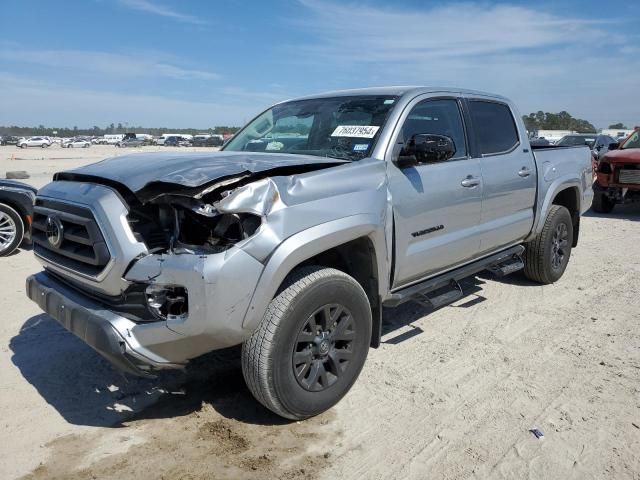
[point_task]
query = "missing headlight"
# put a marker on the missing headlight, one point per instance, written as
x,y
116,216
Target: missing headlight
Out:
x,y
220,231
167,302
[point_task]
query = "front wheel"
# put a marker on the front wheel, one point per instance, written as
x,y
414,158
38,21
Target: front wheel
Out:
x,y
311,344
547,255
11,230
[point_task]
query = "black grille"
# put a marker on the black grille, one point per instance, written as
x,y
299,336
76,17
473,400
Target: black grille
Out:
x,y
82,247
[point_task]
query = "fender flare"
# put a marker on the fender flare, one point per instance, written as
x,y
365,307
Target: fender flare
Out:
x,y
558,185
306,244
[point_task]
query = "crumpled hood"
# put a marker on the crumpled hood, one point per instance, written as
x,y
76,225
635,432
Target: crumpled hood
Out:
x,y
139,172
629,155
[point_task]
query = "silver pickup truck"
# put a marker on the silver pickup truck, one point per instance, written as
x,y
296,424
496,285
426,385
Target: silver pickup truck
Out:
x,y
289,241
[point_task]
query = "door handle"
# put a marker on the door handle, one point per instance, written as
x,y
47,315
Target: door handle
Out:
x,y
470,182
524,172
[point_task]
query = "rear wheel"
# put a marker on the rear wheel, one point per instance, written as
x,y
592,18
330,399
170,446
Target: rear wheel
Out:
x,y
11,230
311,344
602,203
547,255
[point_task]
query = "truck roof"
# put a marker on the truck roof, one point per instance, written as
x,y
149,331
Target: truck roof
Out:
x,y
397,91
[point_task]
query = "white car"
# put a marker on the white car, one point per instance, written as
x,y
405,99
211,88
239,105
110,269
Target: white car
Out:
x,y
42,142
77,143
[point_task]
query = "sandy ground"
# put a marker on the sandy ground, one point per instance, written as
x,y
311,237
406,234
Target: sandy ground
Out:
x,y
450,394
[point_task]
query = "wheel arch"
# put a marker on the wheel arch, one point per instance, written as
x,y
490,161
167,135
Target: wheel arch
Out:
x,y
570,199
354,245
566,193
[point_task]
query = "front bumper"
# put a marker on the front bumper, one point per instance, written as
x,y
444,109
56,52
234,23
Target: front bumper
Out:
x,y
99,328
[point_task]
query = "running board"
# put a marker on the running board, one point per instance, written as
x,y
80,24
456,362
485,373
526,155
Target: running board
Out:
x,y
503,269
442,296
445,288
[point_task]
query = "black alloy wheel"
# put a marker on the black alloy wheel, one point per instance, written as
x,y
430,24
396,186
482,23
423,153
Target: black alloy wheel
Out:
x,y
324,347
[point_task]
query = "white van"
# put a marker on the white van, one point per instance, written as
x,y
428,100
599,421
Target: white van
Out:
x,y
112,139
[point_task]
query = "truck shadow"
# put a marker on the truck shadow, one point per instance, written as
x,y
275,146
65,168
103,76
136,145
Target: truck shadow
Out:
x,y
398,318
630,211
86,390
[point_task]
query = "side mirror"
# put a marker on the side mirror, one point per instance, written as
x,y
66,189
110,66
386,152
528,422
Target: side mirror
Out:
x,y
426,148
614,146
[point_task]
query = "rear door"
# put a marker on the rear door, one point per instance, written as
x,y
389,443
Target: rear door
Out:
x,y
508,172
436,206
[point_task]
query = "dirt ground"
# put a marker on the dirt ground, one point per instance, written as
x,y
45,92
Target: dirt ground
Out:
x,y
450,394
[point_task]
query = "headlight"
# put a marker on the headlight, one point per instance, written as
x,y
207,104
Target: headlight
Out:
x,y
167,302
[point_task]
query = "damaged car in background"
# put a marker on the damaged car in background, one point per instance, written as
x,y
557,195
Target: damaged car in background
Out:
x,y
290,240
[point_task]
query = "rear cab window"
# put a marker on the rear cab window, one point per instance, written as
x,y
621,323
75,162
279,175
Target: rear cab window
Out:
x,y
494,126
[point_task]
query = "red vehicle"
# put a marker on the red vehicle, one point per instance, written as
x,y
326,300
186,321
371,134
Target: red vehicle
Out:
x,y
618,175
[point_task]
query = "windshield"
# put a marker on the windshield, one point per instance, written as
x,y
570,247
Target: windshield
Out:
x,y
341,127
576,140
633,141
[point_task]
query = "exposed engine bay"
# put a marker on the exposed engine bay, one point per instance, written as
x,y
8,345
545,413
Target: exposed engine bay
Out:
x,y
198,223
173,222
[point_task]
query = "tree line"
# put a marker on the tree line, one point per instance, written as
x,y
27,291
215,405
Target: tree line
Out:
x,y
108,130
557,121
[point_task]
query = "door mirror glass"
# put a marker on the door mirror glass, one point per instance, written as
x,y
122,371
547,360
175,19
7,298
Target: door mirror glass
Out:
x,y
614,146
427,148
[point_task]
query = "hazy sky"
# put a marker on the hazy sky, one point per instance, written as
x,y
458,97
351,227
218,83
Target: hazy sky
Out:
x,y
200,63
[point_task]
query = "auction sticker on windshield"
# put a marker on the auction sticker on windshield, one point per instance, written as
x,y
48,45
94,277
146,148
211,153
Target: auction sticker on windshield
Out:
x,y
355,131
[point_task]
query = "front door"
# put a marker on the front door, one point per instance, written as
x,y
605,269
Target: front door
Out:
x,y
436,206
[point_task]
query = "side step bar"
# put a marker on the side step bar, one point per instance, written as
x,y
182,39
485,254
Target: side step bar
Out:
x,y
445,289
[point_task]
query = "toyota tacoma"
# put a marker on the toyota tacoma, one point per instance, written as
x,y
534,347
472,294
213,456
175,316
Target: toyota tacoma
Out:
x,y
290,240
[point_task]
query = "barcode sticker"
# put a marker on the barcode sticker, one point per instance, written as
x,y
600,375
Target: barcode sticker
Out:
x,y
355,131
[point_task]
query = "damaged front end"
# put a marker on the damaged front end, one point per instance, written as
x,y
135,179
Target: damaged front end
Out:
x,y
167,266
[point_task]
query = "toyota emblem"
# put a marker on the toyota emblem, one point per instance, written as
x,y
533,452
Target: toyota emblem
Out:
x,y
54,231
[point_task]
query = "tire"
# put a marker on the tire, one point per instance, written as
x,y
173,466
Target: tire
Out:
x,y
24,145
11,230
546,257
602,203
310,297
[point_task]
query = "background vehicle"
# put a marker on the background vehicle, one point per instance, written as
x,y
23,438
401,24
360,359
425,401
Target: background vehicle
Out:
x,y
290,241
176,142
131,142
113,139
160,140
539,142
599,144
10,140
618,175
577,139
42,142
207,141
16,210
76,143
